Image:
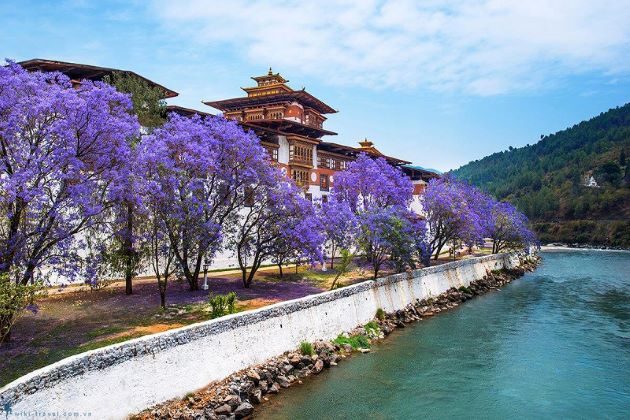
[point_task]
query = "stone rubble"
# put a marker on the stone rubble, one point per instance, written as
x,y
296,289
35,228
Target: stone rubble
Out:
x,y
236,396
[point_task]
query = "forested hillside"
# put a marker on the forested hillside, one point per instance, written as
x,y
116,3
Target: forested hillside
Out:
x,y
573,185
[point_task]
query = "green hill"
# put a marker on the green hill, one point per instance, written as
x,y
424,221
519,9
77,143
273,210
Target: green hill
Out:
x,y
573,185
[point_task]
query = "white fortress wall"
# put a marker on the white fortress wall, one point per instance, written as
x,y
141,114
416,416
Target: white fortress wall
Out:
x,y
121,379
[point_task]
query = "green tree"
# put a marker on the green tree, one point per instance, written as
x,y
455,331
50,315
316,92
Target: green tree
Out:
x,y
15,297
123,256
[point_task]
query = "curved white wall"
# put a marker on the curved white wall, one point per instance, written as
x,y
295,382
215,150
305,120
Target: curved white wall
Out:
x,y
118,380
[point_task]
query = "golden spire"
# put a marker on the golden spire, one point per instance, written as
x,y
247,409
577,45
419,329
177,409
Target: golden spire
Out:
x,y
270,72
365,144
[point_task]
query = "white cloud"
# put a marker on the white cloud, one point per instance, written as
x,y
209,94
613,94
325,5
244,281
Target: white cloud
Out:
x,y
480,47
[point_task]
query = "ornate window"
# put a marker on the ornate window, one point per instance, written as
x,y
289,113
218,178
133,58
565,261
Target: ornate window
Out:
x,y
301,153
254,116
323,182
272,153
300,177
322,161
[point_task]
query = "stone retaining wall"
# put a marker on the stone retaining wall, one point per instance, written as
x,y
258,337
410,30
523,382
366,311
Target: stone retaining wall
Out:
x,y
125,378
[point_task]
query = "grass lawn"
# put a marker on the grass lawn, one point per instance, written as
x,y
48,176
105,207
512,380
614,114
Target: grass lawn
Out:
x,y
75,319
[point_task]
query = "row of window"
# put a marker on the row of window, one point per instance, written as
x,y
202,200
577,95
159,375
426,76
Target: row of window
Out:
x,y
305,155
300,178
300,153
312,120
331,163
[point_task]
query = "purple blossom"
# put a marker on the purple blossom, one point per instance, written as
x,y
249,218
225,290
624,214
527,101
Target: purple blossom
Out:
x,y
458,213
278,224
372,184
196,173
509,228
339,224
379,195
64,151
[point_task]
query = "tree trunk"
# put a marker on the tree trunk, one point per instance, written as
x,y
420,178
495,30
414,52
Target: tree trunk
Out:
x,y
5,329
332,257
250,277
280,268
129,253
163,299
334,283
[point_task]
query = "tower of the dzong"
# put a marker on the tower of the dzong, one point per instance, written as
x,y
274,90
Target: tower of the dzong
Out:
x,y
295,115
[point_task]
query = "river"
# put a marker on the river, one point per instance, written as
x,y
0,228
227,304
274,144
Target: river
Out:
x,y
552,344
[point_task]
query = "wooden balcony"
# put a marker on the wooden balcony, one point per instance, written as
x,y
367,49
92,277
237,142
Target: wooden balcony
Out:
x,y
305,162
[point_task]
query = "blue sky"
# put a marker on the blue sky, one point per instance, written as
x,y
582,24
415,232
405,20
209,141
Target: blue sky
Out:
x,y
437,82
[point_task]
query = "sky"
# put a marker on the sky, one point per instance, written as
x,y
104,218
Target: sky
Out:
x,y
435,82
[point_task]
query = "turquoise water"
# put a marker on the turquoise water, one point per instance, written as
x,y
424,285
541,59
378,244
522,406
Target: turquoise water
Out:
x,y
553,344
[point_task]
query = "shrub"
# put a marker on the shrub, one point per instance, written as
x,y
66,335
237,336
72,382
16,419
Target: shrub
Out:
x,y
221,305
356,341
380,314
14,298
306,348
372,327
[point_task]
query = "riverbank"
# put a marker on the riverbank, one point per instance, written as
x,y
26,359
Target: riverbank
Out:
x,y
565,247
149,370
240,393
553,344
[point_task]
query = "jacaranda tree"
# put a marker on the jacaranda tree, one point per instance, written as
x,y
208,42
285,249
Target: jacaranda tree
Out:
x,y
121,254
274,224
386,234
198,171
62,150
379,195
62,153
340,226
509,228
370,183
450,214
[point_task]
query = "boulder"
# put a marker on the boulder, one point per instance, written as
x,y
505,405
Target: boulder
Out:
x,y
253,376
295,359
256,396
283,381
232,400
263,385
318,366
223,410
243,410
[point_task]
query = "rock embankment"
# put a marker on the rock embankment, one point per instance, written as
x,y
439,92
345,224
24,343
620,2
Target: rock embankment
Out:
x,y
236,396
